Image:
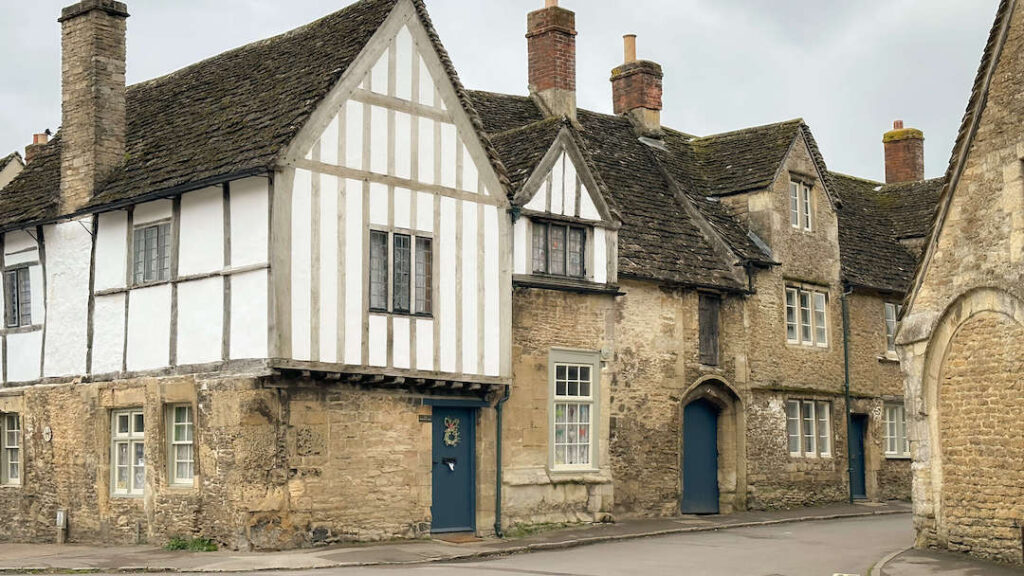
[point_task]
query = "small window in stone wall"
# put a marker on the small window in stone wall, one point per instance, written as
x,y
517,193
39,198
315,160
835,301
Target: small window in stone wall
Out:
x,y
574,385
897,445
128,454
182,456
10,449
806,317
710,305
800,206
892,314
809,428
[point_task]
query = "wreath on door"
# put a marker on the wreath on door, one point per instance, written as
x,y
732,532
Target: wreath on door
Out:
x,y
452,435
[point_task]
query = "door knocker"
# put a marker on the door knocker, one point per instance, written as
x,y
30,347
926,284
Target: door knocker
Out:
x,y
452,435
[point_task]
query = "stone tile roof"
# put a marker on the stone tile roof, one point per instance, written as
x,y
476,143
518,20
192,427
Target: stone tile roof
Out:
x,y
225,117
872,221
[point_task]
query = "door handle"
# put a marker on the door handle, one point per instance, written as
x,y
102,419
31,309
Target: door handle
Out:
x,y
450,463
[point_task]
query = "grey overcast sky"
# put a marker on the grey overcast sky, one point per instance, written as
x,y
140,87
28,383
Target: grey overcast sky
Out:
x,y
848,67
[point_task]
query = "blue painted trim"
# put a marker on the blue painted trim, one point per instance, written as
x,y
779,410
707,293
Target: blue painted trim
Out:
x,y
455,403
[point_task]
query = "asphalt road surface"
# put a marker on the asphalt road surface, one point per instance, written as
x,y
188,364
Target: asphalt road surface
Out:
x,y
823,548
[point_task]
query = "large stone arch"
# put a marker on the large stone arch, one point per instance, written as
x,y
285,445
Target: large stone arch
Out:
x,y
973,347
732,439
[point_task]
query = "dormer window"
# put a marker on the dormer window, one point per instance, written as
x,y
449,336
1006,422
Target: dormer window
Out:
x,y
558,249
800,206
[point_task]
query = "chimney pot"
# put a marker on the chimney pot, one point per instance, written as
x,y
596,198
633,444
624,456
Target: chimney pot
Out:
x,y
629,48
904,154
38,142
551,3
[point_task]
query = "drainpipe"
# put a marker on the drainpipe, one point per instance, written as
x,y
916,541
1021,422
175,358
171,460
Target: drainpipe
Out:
x,y
846,387
497,475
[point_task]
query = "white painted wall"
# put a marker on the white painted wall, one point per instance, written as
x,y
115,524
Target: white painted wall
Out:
x,y
111,251
108,334
250,228
249,324
68,252
200,321
201,246
149,328
24,346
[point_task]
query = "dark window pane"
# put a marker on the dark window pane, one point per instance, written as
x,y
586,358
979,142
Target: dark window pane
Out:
x,y
709,308
424,276
402,270
25,297
139,256
540,247
164,250
378,270
11,315
577,240
556,250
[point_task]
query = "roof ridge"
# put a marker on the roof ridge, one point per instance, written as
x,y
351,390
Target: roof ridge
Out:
x,y
794,121
858,178
525,127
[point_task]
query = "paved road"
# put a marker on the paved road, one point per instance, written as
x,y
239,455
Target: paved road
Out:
x,y
802,549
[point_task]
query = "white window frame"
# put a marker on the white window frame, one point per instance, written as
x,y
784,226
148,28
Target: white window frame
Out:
x,y
579,360
11,453
178,442
892,314
806,207
806,317
813,420
896,440
794,205
801,206
134,439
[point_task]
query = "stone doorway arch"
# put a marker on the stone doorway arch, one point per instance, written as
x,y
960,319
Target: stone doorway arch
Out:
x,y
731,441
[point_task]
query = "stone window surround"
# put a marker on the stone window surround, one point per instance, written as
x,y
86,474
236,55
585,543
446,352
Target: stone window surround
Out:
x,y
131,438
578,357
816,412
172,480
892,314
414,237
891,408
803,189
814,292
6,449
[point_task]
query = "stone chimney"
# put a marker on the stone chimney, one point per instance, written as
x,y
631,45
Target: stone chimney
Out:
x,y
92,97
38,143
551,33
637,90
904,154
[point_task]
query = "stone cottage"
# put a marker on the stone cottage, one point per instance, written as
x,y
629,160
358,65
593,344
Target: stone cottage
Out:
x,y
961,339
314,290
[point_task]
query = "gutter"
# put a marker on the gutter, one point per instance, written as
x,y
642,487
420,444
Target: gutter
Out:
x,y
497,476
847,290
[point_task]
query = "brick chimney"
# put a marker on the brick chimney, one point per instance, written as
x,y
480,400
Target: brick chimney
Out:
x,y
93,97
637,90
551,34
904,154
38,143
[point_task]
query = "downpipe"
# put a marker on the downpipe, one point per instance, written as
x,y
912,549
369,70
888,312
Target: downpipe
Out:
x,y
846,388
497,475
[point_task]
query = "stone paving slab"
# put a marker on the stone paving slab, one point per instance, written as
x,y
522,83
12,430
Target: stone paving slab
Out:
x,y
933,562
51,558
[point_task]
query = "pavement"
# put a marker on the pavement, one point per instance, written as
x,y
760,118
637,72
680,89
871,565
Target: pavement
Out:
x,y
915,562
51,558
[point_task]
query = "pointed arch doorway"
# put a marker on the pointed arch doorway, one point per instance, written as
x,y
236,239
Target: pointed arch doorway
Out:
x,y
713,475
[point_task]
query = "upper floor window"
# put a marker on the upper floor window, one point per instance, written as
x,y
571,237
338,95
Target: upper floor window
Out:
x,y
800,206
128,461
896,443
806,317
892,313
710,305
809,428
17,298
558,249
10,449
151,256
411,285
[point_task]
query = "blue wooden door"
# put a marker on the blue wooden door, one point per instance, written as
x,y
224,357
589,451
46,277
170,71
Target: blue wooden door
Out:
x,y
700,458
858,424
454,475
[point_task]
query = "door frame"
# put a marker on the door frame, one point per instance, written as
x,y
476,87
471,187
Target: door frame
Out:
x,y
862,421
732,440
473,408
718,413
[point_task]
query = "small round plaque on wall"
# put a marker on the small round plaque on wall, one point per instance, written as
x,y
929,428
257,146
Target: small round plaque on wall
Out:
x,y
47,434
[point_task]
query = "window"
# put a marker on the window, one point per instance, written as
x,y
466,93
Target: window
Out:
x,y
709,305
806,317
128,462
800,206
412,273
892,313
152,253
559,249
182,458
808,428
574,399
10,450
897,445
17,298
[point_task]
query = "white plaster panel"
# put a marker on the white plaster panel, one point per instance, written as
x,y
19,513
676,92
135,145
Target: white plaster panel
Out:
x,y
249,315
108,334
149,328
470,174
492,306
404,64
31,255
35,278
329,268
23,356
378,340
588,210
470,288
403,145
201,242
152,212
403,208
425,211
449,141
519,245
329,143
425,345
68,257
353,263
426,151
569,198
18,241
250,222
111,251
447,286
378,140
539,201
379,75
378,204
200,321
600,255
426,95
558,185
301,264
401,333
353,135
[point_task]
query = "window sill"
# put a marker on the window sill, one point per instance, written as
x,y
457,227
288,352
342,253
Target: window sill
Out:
x,y
799,346
127,496
22,329
563,283
889,358
899,457
402,314
10,486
